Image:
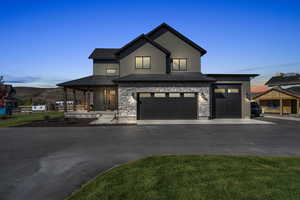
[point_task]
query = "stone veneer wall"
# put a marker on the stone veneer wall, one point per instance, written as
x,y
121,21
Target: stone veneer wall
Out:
x,y
128,105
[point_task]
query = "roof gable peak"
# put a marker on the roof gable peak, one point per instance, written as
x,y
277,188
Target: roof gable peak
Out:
x,y
147,39
154,34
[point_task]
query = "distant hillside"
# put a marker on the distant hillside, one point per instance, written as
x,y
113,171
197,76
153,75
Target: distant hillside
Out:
x,y
29,95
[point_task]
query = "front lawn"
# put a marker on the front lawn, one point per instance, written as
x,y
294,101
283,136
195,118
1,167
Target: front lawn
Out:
x,y
197,177
21,119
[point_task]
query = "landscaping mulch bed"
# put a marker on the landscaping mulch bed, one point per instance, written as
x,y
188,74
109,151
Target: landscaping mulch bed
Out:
x,y
60,122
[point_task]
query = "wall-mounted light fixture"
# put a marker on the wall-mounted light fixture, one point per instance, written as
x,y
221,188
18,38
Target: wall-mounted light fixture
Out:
x,y
133,94
203,97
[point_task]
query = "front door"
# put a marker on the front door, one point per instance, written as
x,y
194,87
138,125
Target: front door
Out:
x,y
110,98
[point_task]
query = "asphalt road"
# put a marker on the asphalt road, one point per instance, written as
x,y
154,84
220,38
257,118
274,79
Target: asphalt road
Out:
x,y
49,163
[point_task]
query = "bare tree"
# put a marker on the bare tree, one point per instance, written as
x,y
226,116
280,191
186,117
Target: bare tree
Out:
x,y
1,80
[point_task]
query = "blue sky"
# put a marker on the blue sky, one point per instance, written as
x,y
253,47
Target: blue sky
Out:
x,y
44,42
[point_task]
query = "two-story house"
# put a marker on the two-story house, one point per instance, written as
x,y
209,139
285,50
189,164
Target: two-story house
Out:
x,y
158,76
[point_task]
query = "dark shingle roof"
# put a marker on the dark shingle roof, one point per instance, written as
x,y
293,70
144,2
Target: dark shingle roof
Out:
x,y
172,77
283,80
295,90
182,37
104,53
96,80
232,75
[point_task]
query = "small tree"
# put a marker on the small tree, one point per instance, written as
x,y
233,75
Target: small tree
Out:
x,y
2,92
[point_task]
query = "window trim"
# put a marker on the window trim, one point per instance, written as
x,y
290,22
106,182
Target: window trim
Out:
x,y
180,70
142,62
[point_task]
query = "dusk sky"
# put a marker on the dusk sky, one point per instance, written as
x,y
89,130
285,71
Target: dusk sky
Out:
x,y
46,42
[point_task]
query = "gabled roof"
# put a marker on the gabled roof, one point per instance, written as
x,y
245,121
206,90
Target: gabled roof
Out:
x,y
284,91
104,53
284,80
138,39
152,35
95,80
295,90
172,77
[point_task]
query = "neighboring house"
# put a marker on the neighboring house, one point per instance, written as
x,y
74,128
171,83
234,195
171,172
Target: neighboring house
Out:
x,y
278,100
282,79
158,76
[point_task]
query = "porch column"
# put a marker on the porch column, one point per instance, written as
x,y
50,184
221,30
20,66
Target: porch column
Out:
x,y
281,107
298,106
65,99
88,100
84,99
74,100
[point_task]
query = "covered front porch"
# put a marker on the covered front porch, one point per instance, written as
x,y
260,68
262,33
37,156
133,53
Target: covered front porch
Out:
x,y
92,93
278,101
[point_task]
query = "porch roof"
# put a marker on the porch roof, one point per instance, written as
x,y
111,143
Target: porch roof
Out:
x,y
89,81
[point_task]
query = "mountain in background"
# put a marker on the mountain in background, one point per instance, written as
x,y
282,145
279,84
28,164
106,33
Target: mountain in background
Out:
x,y
35,96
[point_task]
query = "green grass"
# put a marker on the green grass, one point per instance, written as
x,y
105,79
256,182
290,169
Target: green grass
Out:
x,y
197,177
21,119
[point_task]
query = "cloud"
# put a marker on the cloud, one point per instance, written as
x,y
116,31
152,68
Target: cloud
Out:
x,y
20,79
272,67
32,81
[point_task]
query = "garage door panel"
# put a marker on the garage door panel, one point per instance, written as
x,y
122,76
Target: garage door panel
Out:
x,y
167,108
227,101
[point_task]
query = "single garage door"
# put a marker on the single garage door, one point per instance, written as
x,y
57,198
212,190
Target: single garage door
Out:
x,y
167,106
227,101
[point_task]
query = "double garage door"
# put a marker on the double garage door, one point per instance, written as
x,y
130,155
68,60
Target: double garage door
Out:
x,y
167,106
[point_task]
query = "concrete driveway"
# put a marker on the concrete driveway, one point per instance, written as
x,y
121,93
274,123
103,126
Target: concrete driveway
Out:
x,y
49,163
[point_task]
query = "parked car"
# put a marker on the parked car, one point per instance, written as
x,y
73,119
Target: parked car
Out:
x,y
255,109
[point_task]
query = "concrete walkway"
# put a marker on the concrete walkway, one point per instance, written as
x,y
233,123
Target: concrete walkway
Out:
x,y
214,121
105,118
282,117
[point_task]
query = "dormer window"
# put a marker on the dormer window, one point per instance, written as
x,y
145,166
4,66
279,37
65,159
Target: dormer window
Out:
x,y
179,64
142,62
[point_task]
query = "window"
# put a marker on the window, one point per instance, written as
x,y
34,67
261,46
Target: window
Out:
x,y
233,90
145,95
273,104
179,64
111,71
159,95
189,95
142,62
219,90
174,95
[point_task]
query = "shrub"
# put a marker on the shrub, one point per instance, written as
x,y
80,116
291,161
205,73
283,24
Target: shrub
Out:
x,y
46,117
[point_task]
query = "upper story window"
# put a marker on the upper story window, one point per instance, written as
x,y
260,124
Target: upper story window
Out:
x,y
179,64
111,71
142,62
